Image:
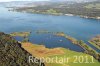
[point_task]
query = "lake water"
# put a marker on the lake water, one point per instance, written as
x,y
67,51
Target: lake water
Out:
x,y
80,28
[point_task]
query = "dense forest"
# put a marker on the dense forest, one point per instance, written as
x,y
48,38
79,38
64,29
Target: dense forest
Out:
x,y
12,54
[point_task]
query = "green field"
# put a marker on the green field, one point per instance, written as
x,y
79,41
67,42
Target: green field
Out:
x,y
75,58
72,54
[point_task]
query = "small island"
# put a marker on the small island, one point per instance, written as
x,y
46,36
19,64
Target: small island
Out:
x,y
21,34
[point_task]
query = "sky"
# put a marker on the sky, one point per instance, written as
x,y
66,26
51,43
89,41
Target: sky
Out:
x,y
21,0
41,0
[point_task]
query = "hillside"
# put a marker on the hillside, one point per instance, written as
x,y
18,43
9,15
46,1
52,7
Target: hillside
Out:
x,y
12,54
86,10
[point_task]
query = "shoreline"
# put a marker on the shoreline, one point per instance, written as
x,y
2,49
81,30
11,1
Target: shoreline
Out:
x,y
94,44
56,14
88,50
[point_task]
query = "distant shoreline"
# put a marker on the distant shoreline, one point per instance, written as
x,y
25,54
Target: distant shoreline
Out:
x,y
83,16
58,14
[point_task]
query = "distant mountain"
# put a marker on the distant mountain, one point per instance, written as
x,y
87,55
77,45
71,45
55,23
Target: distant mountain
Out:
x,y
12,54
76,0
35,3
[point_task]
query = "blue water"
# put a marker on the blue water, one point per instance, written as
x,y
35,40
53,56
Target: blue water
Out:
x,y
80,28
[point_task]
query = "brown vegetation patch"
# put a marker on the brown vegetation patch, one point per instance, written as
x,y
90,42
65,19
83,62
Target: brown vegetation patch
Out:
x,y
40,50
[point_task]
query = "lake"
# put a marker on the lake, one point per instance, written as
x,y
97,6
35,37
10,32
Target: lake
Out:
x,y
75,26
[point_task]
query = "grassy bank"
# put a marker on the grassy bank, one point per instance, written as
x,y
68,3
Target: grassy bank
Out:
x,y
89,50
94,44
41,51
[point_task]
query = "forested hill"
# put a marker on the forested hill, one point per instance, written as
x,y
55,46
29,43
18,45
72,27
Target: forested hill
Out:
x,y
12,54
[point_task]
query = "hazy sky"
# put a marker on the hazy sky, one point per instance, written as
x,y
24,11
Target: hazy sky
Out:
x,y
42,0
21,0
